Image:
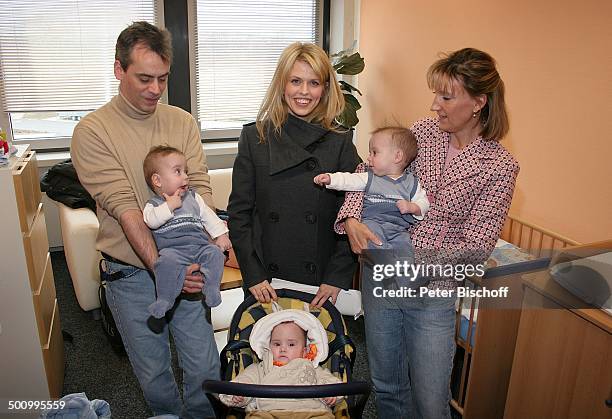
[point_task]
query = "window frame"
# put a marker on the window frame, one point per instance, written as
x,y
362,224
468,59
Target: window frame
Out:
x,y
232,134
177,79
62,143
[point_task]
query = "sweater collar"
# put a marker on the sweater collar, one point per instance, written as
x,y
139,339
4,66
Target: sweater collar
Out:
x,y
125,107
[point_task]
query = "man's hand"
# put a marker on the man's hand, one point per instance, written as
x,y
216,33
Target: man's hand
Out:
x,y
223,242
407,207
359,235
174,201
194,281
324,293
322,179
263,292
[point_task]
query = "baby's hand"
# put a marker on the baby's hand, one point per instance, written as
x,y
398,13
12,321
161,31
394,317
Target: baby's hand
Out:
x,y
330,401
174,201
322,179
407,207
239,400
223,242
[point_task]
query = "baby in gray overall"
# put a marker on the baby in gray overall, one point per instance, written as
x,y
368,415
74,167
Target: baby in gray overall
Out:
x,y
180,220
393,197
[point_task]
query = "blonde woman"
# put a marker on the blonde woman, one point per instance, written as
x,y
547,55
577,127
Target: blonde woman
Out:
x,y
280,222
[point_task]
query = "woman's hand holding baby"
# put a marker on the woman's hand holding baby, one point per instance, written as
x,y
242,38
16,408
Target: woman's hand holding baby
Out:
x,y
359,235
174,201
322,179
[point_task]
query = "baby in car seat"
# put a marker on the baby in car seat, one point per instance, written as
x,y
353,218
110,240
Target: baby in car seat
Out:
x,y
290,344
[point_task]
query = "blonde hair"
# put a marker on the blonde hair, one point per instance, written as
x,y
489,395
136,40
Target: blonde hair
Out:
x,y
475,71
150,166
274,109
401,138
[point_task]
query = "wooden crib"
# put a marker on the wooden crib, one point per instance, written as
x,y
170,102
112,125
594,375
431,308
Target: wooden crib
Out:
x,y
485,351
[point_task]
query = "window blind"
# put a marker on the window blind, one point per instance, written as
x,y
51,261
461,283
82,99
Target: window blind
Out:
x,y
238,44
57,55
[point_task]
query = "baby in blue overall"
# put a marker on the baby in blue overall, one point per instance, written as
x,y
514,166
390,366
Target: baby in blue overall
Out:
x,y
393,197
180,220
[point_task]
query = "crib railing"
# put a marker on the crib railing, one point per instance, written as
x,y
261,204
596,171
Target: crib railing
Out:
x,y
536,240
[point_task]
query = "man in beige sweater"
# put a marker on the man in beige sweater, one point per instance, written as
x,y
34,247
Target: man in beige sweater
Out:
x,y
108,148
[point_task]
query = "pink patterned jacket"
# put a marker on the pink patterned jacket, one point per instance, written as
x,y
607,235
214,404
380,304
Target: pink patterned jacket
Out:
x,y
470,201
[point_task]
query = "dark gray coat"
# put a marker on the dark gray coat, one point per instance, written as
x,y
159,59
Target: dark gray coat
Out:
x,y
280,222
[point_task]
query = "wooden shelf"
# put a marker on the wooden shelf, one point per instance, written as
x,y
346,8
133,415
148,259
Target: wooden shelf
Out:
x,y
32,361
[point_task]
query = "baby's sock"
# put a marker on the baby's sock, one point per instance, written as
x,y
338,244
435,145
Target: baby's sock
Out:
x,y
211,293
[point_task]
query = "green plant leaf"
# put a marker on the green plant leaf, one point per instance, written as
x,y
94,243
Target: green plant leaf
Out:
x,y
348,117
345,52
350,65
348,88
352,101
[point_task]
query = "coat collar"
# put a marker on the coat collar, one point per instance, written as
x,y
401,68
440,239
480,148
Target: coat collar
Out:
x,y
294,145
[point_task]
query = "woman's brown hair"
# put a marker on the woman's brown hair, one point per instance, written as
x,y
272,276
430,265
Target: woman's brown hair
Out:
x,y
476,72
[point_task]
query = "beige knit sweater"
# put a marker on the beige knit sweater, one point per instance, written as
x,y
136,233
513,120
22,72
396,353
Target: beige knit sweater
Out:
x,y
108,149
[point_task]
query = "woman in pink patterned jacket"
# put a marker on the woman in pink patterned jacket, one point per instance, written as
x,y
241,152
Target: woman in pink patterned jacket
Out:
x,y
469,178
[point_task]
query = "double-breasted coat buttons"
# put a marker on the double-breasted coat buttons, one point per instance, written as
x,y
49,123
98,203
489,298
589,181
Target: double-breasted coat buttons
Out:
x,y
310,218
311,164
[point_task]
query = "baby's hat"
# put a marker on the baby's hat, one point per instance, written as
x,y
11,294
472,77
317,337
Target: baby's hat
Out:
x,y
260,335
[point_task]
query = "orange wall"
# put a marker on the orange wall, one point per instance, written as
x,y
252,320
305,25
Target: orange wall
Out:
x,y
554,57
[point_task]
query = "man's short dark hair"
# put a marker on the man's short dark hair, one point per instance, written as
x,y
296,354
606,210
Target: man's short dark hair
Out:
x,y
157,40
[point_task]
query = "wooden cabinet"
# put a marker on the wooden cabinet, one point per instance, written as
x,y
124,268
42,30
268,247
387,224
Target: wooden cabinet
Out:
x,y
490,363
563,356
31,345
482,367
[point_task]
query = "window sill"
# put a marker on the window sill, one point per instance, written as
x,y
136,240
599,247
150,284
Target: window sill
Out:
x,y
47,159
213,151
221,148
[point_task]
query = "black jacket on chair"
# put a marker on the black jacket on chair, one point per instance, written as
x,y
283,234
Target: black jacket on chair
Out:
x,y
61,184
280,221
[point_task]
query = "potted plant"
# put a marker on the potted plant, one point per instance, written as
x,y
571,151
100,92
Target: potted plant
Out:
x,y
348,62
